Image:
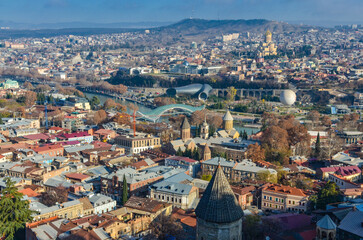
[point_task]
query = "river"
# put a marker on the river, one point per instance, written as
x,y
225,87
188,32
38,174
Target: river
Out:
x,y
145,109
103,99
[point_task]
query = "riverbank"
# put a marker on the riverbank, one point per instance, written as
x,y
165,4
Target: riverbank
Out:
x,y
123,101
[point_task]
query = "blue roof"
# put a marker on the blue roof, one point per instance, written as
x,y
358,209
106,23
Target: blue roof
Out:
x,y
171,187
326,223
180,177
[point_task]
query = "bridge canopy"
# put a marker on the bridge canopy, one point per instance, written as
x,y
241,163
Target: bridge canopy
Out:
x,y
156,113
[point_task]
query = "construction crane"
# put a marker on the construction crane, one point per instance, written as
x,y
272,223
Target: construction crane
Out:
x,y
133,116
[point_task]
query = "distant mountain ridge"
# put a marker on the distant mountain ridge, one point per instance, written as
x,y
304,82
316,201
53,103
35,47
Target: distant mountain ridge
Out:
x,y
187,28
61,25
195,26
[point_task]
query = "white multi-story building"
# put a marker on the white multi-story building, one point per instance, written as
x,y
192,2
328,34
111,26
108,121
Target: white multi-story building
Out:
x,y
102,203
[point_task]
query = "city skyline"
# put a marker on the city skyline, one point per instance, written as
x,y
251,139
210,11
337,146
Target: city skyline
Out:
x,y
323,12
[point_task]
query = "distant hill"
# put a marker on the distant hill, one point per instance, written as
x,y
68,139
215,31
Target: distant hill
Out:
x,y
186,29
61,25
202,26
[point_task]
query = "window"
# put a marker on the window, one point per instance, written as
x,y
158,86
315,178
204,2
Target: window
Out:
x,y
276,199
282,200
264,197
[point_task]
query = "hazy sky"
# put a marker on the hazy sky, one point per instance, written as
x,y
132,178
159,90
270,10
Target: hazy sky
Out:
x,y
45,11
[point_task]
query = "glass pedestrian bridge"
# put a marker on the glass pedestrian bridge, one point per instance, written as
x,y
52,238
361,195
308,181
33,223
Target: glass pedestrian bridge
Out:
x,y
156,113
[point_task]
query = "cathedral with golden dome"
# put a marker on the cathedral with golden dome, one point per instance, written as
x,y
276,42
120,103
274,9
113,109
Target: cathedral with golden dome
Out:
x,y
267,48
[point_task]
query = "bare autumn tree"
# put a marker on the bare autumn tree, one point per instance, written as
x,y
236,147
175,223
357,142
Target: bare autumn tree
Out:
x,y
120,88
109,103
21,110
28,86
30,98
275,142
198,117
100,116
162,101
326,121
43,88
214,120
331,145
314,116
163,227
122,118
176,121
269,119
255,152
58,194
275,137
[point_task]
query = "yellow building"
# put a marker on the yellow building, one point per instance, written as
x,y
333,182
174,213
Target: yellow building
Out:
x,y
138,143
267,48
68,210
228,129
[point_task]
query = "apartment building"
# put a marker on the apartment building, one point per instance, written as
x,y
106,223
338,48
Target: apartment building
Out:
x,y
138,143
284,198
178,194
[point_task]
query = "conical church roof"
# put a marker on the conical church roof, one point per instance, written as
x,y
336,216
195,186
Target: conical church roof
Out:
x,y
228,116
185,124
218,204
206,149
326,223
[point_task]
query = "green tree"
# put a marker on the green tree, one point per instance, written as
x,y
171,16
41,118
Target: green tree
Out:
x,y
179,152
95,101
252,227
328,194
317,151
14,212
207,177
124,191
196,154
212,130
267,176
245,135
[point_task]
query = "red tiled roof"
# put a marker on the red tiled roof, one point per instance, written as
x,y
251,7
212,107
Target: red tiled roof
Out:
x,y
344,171
242,191
285,190
77,134
56,128
182,159
47,147
77,176
39,136
29,192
